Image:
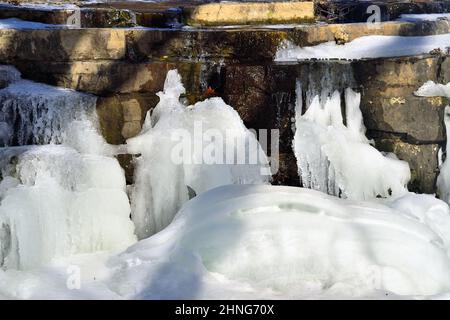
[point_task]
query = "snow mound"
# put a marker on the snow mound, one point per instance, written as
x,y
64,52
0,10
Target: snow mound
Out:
x,y
285,242
267,242
338,159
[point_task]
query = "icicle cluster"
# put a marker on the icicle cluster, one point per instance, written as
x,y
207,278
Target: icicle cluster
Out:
x,y
65,194
338,159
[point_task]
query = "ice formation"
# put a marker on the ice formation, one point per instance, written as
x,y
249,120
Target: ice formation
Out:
x,y
200,146
443,179
265,242
34,113
62,203
67,197
365,47
56,200
338,159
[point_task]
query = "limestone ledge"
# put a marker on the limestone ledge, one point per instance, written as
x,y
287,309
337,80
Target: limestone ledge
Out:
x,y
237,13
241,44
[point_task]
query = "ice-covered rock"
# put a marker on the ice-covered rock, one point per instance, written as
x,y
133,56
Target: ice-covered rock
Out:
x,y
443,179
338,159
201,146
61,203
34,113
63,197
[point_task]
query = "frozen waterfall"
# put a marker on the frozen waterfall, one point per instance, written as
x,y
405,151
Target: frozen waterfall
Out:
x,y
202,146
64,194
338,159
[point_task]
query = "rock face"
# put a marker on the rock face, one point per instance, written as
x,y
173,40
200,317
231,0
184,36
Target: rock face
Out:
x,y
126,67
360,11
412,127
89,17
422,159
61,45
389,103
229,13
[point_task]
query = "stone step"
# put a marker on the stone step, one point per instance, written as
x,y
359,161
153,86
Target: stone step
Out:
x,y
247,13
173,13
95,16
138,45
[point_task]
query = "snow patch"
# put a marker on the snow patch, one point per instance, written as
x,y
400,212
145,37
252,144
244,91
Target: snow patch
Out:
x,y
365,47
431,89
14,23
424,17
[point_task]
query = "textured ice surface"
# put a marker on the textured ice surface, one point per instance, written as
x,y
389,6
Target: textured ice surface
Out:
x,y
59,202
34,113
250,242
338,159
183,146
63,197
